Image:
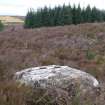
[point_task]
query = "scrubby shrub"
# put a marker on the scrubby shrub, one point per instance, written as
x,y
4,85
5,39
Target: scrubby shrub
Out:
x,y
100,59
1,26
90,55
12,93
2,70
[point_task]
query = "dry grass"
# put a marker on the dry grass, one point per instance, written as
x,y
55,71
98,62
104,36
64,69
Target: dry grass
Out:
x,y
12,93
10,20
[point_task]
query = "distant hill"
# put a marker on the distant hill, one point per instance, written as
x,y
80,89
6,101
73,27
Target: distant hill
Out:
x,y
12,19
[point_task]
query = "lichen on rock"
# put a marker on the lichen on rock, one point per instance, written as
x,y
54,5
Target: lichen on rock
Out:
x,y
55,76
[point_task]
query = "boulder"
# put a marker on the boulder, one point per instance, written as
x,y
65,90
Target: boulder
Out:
x,y
55,76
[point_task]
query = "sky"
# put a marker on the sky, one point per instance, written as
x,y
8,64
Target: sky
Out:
x,y
20,7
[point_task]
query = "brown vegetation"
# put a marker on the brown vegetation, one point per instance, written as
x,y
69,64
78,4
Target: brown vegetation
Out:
x,y
12,19
80,46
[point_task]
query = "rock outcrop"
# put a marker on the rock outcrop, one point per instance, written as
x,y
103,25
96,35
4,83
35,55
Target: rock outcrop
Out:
x,y
57,76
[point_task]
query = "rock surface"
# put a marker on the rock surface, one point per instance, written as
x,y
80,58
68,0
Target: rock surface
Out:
x,y
55,75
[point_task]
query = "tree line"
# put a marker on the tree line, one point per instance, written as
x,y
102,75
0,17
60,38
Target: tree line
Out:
x,y
63,15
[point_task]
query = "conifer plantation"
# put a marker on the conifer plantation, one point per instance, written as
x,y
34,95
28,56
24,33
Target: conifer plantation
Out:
x,y
63,15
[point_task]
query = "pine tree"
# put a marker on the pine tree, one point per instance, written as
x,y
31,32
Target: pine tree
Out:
x,y
83,16
88,14
94,14
74,15
29,20
58,16
78,15
66,15
45,16
103,15
32,19
52,17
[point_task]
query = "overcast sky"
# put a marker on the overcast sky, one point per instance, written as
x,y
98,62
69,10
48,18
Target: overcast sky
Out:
x,y
20,7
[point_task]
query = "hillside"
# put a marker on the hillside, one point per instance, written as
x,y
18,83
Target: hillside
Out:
x,y
12,19
81,46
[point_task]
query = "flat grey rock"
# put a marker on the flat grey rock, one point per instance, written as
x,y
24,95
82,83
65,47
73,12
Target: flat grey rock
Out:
x,y
55,75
